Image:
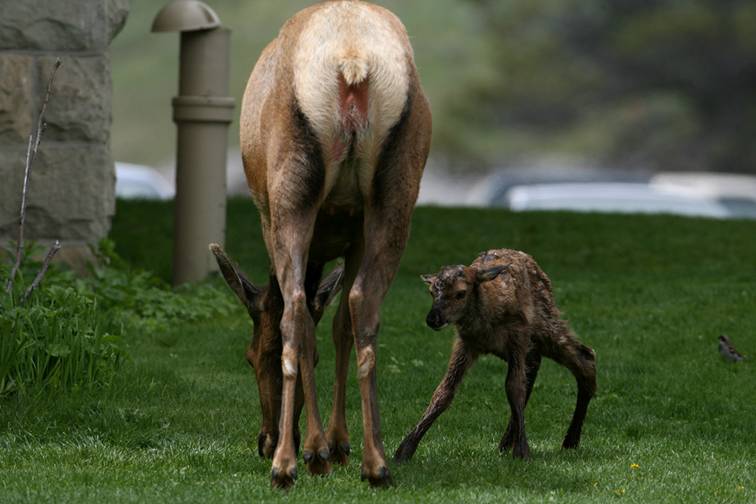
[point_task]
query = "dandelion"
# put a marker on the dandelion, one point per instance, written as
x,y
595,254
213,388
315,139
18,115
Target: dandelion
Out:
x,y
634,466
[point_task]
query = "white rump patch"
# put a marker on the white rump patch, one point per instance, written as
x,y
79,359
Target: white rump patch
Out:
x,y
358,42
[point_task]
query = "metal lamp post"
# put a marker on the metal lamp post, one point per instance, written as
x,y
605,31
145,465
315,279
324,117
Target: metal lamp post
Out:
x,y
202,113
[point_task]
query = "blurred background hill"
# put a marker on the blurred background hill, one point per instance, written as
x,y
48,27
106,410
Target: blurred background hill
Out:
x,y
626,84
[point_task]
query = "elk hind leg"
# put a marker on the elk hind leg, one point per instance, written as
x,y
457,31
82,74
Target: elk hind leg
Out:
x,y
581,361
533,362
291,240
516,387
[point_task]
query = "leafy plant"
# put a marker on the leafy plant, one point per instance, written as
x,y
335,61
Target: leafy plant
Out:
x,y
60,340
142,301
72,333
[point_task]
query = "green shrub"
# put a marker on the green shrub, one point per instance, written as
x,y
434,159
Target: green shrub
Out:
x,y
58,340
142,301
71,332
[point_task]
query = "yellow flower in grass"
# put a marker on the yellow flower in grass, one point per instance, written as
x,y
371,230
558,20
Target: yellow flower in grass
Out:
x,y
634,466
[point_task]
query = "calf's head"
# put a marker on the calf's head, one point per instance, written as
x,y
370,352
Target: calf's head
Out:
x,y
452,289
265,307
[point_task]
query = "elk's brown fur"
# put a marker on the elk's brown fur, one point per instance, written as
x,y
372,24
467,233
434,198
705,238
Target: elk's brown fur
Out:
x,y
265,306
503,304
335,132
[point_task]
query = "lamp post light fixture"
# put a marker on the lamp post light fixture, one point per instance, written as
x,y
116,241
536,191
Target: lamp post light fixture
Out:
x,y
202,112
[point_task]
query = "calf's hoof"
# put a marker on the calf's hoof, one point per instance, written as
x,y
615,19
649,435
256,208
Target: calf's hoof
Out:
x,y
506,443
570,442
521,451
378,478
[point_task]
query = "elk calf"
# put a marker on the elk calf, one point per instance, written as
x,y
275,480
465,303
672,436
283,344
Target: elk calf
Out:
x,y
503,304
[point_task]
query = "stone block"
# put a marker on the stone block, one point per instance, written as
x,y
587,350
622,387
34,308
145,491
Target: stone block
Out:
x,y
12,159
80,108
71,193
16,97
117,12
54,25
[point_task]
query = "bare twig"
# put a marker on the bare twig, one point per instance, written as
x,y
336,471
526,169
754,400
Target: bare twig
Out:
x,y
31,153
41,273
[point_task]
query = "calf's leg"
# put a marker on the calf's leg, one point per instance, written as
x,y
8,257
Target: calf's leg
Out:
x,y
516,387
581,361
533,362
461,360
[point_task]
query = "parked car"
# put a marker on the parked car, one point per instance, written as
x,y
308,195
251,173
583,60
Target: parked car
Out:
x,y
492,189
617,197
736,191
135,181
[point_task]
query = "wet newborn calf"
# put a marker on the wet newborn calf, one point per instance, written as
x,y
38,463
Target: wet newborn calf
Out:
x,y
503,304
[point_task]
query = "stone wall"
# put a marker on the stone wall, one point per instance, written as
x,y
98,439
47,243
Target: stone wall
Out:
x,y
71,194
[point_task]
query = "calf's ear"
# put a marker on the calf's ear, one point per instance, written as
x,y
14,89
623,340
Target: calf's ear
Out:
x,y
248,293
489,274
428,279
329,287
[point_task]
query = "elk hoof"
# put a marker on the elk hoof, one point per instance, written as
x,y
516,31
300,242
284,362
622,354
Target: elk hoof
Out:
x,y
506,442
318,464
283,479
266,445
261,444
377,479
570,442
521,452
340,452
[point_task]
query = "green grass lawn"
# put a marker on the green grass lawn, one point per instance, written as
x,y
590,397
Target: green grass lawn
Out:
x,y
649,294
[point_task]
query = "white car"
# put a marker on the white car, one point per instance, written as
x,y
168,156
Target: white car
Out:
x,y
722,186
615,197
141,182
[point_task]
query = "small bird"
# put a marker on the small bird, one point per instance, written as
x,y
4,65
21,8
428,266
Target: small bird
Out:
x,y
727,351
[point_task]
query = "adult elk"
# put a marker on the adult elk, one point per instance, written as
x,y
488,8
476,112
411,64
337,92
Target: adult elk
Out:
x,y
335,133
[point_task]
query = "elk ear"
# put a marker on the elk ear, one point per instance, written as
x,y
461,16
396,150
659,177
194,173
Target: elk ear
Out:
x,y
249,294
524,293
428,279
329,287
489,274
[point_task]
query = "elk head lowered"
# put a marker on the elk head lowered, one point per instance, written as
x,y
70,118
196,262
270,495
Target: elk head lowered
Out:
x,y
265,307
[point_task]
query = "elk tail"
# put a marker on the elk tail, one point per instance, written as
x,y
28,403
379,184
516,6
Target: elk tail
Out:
x,y
353,67
354,73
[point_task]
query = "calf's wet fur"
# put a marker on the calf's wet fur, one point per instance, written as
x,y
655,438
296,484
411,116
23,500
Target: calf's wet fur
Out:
x,y
503,304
